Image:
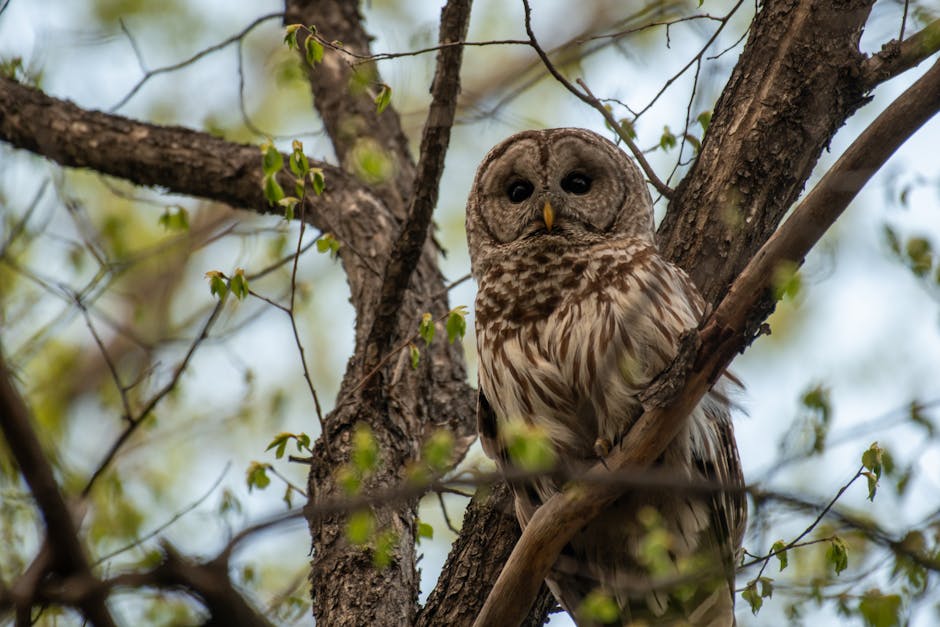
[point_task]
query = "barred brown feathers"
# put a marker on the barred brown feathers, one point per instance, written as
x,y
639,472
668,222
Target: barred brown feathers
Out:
x,y
576,314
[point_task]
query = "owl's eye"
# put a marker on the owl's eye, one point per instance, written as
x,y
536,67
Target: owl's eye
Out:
x,y
576,183
519,190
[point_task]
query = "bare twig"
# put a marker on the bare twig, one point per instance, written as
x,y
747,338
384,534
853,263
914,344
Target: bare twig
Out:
x,y
587,97
898,57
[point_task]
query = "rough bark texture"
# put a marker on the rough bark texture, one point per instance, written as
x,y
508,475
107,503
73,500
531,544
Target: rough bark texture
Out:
x,y
795,84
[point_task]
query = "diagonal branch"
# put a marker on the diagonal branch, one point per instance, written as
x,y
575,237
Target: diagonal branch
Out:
x,y
455,19
68,554
898,57
727,331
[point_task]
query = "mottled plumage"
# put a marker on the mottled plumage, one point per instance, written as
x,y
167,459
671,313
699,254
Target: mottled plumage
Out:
x,y
576,314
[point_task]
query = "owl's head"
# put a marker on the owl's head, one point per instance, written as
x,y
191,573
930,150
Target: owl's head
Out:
x,y
554,189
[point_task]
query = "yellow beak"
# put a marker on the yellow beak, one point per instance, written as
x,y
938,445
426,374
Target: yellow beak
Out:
x,y
549,215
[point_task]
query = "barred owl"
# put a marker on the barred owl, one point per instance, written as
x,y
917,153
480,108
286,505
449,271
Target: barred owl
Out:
x,y
576,314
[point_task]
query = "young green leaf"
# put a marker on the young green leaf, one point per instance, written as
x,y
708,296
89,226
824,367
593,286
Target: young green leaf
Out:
x,y
361,527
288,202
313,51
529,446
317,181
271,159
273,191
176,219
424,530
218,286
599,607
257,476
297,161
415,356
290,35
439,450
365,453
779,549
456,323
667,140
837,555
873,461
328,243
384,549
880,610
383,98
239,284
279,443
704,119
426,328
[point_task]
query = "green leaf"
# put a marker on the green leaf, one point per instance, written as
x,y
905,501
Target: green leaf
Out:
x,y
692,139
756,591
456,323
529,446
426,328
257,476
288,202
271,159
415,356
880,610
328,244
317,181
599,607
290,35
667,140
837,555
892,239
349,479
365,453
288,497
239,284
704,119
383,98
425,530
280,442
779,549
313,50
176,219
873,460
786,280
816,399
273,191
627,127
297,161
360,527
920,255
217,283
439,450
384,549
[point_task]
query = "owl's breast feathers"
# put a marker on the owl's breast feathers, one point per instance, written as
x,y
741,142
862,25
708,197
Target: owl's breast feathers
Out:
x,y
571,350
567,339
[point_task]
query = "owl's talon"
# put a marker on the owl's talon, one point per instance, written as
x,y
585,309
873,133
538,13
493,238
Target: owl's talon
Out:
x,y
602,448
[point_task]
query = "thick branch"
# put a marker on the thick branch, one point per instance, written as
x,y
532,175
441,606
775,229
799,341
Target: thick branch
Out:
x,y
68,554
181,160
795,84
726,332
455,19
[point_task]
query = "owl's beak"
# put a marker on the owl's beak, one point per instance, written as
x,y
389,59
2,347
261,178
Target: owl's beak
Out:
x,y
548,214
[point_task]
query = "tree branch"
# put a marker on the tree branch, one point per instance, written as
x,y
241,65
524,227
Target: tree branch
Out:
x,y
181,160
728,330
898,57
455,20
68,554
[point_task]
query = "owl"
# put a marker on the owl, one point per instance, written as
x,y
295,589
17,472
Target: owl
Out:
x,y
576,314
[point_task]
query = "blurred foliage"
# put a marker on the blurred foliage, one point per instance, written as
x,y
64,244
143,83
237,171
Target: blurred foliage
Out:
x,y
103,292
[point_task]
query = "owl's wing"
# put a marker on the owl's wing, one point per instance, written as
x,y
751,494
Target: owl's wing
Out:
x,y
486,426
717,460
